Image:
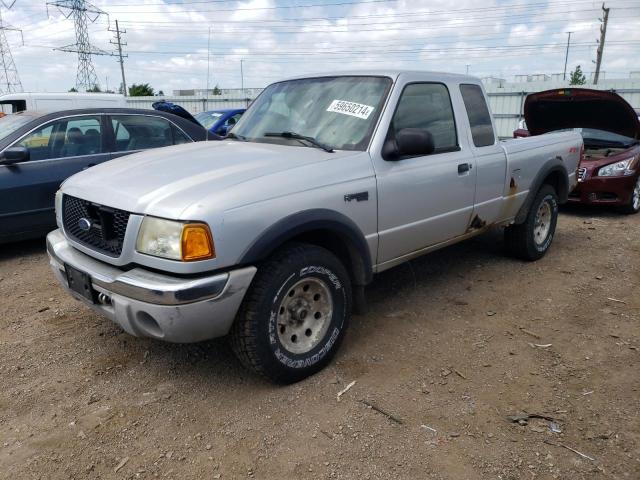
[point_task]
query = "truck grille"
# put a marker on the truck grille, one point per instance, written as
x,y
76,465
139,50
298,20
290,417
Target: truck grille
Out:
x,y
582,174
95,226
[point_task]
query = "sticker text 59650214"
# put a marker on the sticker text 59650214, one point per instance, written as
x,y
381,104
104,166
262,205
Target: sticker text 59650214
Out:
x,y
350,108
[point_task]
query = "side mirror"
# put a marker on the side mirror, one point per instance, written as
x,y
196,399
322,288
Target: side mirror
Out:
x,y
13,155
409,142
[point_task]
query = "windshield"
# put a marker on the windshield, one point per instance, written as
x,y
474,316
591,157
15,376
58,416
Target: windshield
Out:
x,y
339,112
208,119
13,122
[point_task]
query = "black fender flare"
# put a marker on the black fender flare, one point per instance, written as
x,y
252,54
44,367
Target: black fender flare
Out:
x,y
318,219
550,167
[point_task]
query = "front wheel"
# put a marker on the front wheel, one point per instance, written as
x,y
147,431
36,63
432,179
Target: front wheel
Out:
x,y
634,204
531,239
295,314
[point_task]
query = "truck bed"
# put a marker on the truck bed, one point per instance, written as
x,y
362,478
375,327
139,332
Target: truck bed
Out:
x,y
525,156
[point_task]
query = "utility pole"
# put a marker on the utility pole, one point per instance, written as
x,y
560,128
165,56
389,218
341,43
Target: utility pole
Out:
x,y
566,56
241,76
603,34
9,79
468,65
83,13
206,88
121,57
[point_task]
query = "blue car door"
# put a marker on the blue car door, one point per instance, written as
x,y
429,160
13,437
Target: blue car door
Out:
x,y
57,150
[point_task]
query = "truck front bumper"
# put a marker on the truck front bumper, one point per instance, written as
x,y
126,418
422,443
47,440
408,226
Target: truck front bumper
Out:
x,y
150,304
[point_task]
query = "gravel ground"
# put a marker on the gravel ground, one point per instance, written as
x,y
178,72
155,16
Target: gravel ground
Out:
x,y
453,344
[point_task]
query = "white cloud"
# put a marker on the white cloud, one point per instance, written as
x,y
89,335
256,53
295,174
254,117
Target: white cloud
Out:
x,y
419,34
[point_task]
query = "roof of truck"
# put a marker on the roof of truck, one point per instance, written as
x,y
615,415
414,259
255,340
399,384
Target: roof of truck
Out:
x,y
390,73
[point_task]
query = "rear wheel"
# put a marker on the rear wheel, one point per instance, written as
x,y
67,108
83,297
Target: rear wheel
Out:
x,y
531,239
294,317
634,204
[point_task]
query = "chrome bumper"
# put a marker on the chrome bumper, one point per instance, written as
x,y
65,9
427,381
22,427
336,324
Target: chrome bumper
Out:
x,y
156,305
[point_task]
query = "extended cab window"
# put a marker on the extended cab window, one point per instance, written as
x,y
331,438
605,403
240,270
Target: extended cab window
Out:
x,y
479,116
67,137
427,106
139,132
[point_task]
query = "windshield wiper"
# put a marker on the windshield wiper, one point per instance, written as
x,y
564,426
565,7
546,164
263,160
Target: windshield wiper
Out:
x,y
237,137
297,136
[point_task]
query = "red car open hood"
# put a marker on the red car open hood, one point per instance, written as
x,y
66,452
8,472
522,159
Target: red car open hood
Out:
x,y
580,108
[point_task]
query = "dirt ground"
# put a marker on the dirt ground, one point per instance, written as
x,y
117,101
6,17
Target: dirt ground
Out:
x,y
453,344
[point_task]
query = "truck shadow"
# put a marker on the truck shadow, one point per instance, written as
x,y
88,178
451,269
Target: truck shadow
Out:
x,y
436,268
590,211
23,248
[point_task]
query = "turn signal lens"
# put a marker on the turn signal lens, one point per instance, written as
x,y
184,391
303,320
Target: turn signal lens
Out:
x,y
197,242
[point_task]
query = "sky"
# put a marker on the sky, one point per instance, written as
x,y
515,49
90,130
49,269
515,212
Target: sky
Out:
x,y
168,41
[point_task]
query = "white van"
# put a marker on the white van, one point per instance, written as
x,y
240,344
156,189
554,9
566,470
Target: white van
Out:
x,y
51,102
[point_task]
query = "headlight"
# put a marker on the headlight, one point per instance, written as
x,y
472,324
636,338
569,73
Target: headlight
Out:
x,y
58,207
175,240
617,169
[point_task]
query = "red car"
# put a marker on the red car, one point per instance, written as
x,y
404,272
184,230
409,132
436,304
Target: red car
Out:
x,y
609,172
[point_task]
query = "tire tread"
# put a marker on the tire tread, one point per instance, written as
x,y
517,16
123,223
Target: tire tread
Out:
x,y
244,335
517,237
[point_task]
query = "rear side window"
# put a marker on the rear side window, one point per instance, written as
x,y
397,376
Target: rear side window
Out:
x,y
479,116
427,106
179,136
140,132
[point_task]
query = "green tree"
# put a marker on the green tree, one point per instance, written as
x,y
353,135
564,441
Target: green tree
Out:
x,y
73,90
577,77
94,89
216,90
142,90
161,93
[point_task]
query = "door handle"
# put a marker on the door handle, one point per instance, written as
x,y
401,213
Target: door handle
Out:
x,y
463,168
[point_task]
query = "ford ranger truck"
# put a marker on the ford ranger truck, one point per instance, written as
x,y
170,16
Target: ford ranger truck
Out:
x,y
271,235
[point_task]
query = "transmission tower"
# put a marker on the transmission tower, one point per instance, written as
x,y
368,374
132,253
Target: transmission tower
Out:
x,y
9,79
83,13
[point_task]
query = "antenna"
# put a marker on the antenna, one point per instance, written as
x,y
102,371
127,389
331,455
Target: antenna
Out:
x,y
9,78
83,13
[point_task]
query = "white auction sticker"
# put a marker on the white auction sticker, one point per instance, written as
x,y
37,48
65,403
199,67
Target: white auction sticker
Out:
x,y
350,108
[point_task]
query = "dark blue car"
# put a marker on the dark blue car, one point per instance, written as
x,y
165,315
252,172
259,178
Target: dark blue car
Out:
x,y
220,121
39,151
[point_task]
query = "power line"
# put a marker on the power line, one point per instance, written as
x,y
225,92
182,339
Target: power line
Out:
x,y
298,6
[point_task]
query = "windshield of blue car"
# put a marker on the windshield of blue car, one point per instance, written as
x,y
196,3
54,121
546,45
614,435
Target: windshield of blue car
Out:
x,y
208,119
11,123
339,112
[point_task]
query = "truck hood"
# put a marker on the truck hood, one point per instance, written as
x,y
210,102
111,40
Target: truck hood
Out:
x,y
166,181
580,108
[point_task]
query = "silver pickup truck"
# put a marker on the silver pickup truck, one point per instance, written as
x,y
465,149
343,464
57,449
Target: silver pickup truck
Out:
x,y
271,235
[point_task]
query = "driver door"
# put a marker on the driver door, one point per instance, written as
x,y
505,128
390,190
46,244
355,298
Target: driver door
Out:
x,y
57,150
428,199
